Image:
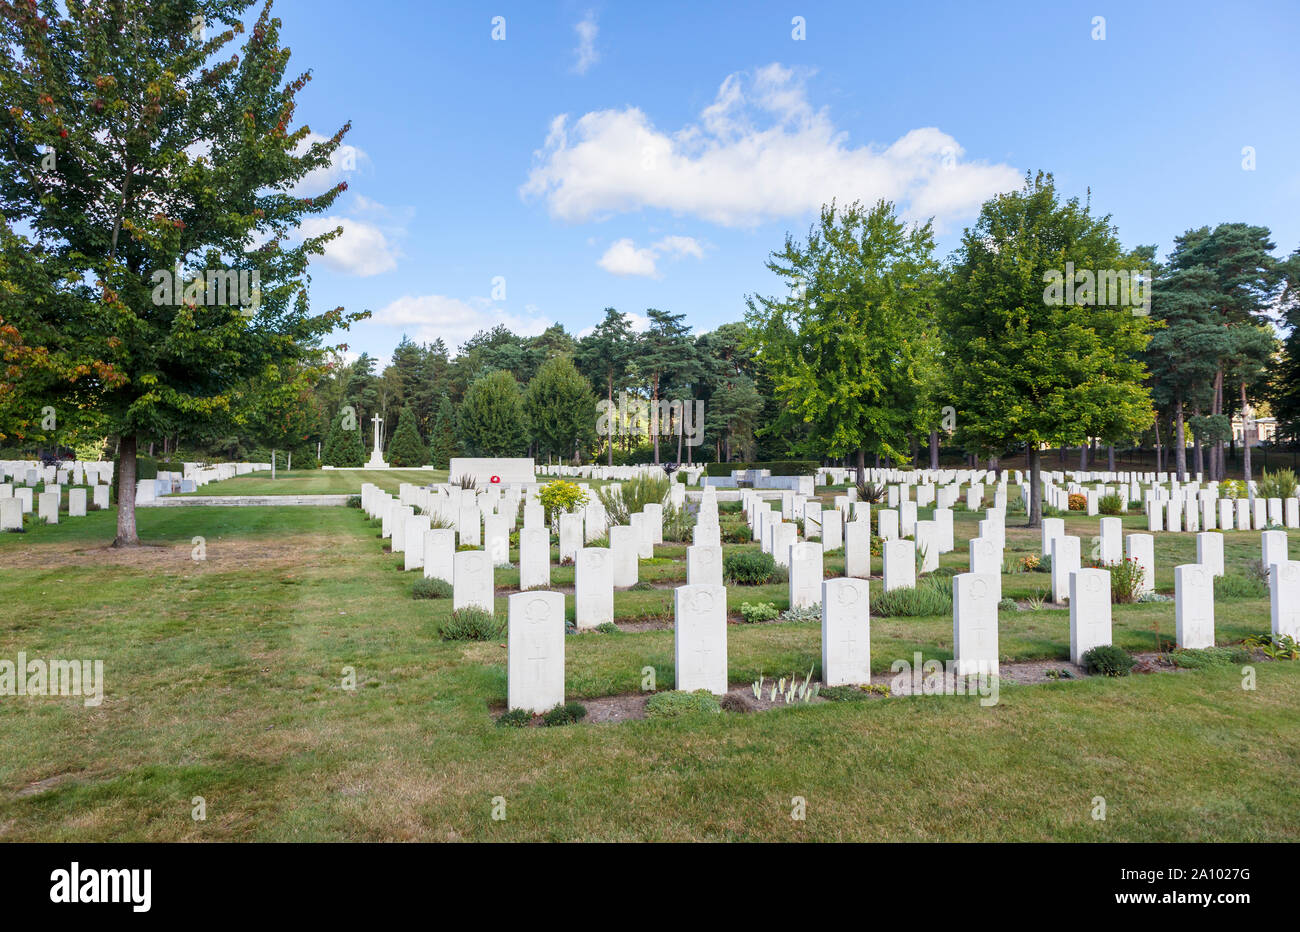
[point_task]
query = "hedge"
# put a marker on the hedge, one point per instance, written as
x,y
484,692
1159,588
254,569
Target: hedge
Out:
x,y
775,467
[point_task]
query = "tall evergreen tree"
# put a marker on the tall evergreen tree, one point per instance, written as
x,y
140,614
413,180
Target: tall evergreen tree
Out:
x,y
442,434
406,449
560,407
603,355
491,420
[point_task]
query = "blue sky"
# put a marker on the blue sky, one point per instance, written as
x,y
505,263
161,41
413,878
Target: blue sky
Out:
x,y
652,155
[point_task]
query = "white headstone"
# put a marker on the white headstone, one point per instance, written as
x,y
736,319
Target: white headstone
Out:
x,y
496,538
47,506
570,536
415,528
76,503
535,651
857,549
469,524
704,565
846,632
101,497
1209,551
1052,527
899,559
927,545
986,559
700,638
1284,594
1112,544
784,536
975,624
1193,606
472,585
624,544
1142,549
11,514
440,554
1274,547
593,586
805,574
1065,560
1089,611
534,557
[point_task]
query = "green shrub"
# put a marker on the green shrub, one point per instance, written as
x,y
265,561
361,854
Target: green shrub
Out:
x,y
431,588
677,704
515,718
1279,484
730,508
930,597
471,624
624,499
748,567
758,612
804,613
564,714
560,497
1126,579
1110,504
1108,660
1231,587
734,532
607,627
1208,657
677,524
1008,605
354,501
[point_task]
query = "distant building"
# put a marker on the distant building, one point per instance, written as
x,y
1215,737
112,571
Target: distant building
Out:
x,y
1262,430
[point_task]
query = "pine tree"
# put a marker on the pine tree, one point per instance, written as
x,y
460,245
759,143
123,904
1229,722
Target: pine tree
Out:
x,y
560,407
442,435
406,449
492,420
343,449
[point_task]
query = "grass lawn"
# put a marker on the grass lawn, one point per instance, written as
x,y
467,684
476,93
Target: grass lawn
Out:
x,y
223,680
320,481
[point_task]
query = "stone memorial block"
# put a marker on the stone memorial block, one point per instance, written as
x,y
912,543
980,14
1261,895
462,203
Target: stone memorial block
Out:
x,y
469,525
1089,611
888,521
47,506
472,583
1191,516
1052,527
927,545
1274,547
974,498
975,624
1209,551
812,521
1142,548
76,503
535,651
986,560
401,515
1292,508
595,522
907,519
439,554
1258,517
1225,514
415,528
704,565
832,530
1155,516
534,558
707,534
534,515
11,514
805,574
943,519
593,586
899,564
624,545
570,536
1208,510
846,632
496,538
1284,594
1243,514
1065,560
700,638
644,539
1275,512
1193,606
857,549
784,537
1112,543
654,513
24,497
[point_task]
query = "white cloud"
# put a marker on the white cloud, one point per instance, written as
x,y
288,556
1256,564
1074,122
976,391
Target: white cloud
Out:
x,y
586,53
759,152
345,162
425,318
625,258
362,249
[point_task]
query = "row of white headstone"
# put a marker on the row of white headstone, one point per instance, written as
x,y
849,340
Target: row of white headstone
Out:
x,y
16,502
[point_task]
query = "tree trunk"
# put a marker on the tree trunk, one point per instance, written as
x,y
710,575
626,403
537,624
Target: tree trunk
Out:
x,y
1083,457
1035,488
272,464
1218,460
288,463
1110,457
1180,443
934,449
126,533
1197,446
862,465
1245,434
